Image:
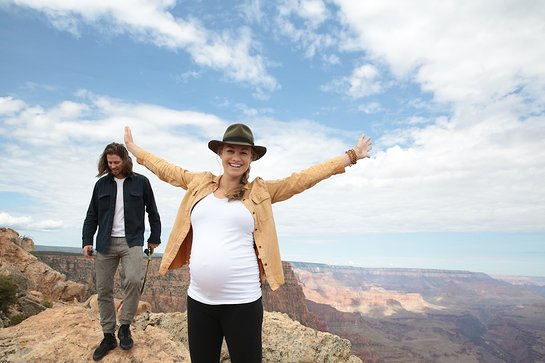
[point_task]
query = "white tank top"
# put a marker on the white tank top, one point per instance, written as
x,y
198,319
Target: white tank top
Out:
x,y
223,264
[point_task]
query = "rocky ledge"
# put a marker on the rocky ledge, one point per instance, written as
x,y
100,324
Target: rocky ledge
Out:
x,y
70,333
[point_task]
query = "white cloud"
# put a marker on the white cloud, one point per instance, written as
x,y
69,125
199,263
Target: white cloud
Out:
x,y
28,223
331,59
252,10
472,172
467,51
186,76
364,81
312,12
481,61
233,53
300,22
370,108
9,105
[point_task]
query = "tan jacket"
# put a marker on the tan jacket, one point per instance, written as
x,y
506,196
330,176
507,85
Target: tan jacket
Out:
x,y
258,199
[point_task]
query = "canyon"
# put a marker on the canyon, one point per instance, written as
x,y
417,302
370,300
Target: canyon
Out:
x,y
388,315
418,315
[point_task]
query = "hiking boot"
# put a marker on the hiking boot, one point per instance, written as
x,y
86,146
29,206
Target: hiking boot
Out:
x,y
124,335
107,344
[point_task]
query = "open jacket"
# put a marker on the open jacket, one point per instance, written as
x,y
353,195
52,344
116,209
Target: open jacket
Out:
x,y
137,199
258,198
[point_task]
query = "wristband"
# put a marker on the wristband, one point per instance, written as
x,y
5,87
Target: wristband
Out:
x,y
352,155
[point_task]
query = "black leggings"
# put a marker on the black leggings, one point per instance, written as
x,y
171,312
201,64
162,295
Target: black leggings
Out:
x,y
240,324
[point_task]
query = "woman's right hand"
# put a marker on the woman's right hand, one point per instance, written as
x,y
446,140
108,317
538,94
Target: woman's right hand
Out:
x,y
129,142
128,136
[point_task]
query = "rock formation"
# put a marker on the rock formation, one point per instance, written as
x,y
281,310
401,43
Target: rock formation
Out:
x,y
36,282
284,340
323,288
69,332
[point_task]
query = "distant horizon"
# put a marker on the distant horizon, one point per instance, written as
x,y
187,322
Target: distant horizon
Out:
x,y
77,251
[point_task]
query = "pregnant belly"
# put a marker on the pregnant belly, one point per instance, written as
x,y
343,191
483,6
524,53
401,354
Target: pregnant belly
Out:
x,y
221,276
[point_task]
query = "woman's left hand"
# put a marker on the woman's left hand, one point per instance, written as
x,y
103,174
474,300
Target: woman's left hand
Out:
x,y
363,147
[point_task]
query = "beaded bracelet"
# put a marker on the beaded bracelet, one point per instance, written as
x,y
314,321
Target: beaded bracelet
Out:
x,y
352,155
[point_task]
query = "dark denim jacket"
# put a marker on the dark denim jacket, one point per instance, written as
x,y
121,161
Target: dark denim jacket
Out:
x,y
137,198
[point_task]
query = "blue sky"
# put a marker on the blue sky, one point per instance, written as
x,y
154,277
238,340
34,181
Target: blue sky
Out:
x,y
452,94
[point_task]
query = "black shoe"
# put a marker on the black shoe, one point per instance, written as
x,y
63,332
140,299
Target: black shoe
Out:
x,y
107,344
124,335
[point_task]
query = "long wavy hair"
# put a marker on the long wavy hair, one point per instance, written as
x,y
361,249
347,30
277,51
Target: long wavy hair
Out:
x,y
238,192
114,149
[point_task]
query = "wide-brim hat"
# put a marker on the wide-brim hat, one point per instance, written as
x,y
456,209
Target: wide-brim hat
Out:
x,y
238,134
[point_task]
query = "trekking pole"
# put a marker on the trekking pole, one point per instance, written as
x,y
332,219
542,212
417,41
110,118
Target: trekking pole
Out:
x,y
148,252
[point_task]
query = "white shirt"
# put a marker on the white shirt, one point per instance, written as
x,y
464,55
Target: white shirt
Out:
x,y
223,263
118,227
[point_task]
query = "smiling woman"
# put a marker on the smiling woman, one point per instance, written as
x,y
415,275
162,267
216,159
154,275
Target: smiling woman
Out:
x,y
225,230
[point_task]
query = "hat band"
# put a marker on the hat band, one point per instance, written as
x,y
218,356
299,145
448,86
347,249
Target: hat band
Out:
x,y
237,139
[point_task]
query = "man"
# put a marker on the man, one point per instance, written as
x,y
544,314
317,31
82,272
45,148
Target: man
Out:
x,y
118,205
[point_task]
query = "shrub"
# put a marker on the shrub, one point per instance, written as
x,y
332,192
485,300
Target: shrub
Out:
x,y
8,293
16,319
47,304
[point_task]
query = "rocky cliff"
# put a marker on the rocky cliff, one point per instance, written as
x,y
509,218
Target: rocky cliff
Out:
x,y
69,331
37,284
38,278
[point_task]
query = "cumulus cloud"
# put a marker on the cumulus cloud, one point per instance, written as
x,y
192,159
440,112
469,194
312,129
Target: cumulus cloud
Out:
x,y
467,51
436,176
465,168
28,223
9,105
313,11
370,108
301,20
364,81
232,52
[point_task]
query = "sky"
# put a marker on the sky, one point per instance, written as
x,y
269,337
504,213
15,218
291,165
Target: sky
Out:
x,y
452,94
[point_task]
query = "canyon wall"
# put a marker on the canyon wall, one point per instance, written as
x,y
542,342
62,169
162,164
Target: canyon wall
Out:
x,y
389,315
168,293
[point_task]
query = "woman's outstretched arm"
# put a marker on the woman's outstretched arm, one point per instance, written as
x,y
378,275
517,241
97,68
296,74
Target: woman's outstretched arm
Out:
x,y
297,182
166,171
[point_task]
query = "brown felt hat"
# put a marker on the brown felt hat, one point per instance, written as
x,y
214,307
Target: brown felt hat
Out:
x,y
238,134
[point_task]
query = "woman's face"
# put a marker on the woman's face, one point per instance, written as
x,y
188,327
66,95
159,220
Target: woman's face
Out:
x,y
235,159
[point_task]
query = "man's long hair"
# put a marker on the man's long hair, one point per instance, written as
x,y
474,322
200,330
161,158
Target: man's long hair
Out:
x,y
114,149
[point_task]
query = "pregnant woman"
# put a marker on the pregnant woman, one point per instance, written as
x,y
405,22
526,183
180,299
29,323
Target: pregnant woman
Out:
x,y
225,231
